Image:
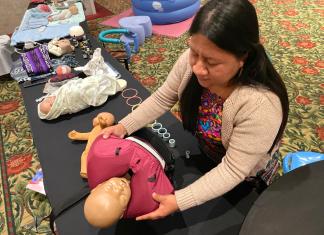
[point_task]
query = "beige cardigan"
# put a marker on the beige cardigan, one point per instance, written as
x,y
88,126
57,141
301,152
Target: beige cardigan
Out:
x,y
250,123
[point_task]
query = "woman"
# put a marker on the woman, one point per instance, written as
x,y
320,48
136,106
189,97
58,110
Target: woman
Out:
x,y
231,98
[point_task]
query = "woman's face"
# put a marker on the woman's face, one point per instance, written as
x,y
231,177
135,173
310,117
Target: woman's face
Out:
x,y
213,66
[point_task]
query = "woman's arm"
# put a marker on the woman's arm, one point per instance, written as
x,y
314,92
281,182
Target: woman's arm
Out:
x,y
160,101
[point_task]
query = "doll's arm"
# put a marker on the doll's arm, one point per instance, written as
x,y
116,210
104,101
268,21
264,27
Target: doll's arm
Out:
x,y
74,135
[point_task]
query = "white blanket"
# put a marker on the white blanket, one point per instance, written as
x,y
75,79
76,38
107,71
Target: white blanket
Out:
x,y
78,94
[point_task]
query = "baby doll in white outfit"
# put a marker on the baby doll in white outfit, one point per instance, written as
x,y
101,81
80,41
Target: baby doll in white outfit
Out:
x,y
78,94
64,14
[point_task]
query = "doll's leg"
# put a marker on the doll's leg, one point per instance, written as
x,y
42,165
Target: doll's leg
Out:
x,y
84,157
74,135
83,170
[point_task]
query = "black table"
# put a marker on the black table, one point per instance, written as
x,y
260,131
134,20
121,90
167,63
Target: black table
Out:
x,y
60,160
292,205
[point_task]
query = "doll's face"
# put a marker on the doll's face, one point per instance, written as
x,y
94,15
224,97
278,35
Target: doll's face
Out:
x,y
46,105
73,9
117,188
64,44
107,202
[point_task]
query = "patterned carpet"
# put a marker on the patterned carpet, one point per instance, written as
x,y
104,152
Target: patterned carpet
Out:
x,y
291,32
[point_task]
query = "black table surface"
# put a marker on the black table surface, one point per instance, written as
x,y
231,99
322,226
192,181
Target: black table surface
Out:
x,y
60,161
292,205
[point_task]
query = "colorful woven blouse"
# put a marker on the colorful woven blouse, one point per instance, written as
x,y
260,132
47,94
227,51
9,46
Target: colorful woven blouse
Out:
x,y
210,119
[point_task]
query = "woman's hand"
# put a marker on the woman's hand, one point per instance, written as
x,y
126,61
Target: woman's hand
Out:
x,y
117,130
168,205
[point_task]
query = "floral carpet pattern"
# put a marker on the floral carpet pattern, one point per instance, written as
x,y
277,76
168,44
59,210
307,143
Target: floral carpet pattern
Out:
x,y
290,32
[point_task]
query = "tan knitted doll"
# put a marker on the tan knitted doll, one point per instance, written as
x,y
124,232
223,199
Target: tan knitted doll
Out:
x,y
101,121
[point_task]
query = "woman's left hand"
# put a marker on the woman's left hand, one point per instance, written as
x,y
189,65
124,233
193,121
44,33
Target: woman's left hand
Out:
x,y
168,205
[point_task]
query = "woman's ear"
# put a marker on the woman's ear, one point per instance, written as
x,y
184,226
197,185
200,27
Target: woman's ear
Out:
x,y
243,59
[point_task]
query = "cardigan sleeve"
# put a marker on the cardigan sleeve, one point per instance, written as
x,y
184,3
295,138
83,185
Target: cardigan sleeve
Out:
x,y
256,125
160,101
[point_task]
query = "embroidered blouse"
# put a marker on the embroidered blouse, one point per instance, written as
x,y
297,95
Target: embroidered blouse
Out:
x,y
209,123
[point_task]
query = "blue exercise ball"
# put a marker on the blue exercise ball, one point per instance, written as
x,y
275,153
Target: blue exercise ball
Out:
x,y
166,11
297,159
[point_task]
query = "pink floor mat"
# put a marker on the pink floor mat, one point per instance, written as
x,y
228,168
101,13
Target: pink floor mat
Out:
x,y
171,30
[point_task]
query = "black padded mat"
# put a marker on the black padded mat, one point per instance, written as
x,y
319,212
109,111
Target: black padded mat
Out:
x,y
291,205
60,161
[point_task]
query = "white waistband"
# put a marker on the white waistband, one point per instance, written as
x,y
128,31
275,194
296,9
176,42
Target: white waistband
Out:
x,y
148,148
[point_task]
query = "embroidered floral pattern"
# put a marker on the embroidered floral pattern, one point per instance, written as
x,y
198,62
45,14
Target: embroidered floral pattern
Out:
x,y
210,119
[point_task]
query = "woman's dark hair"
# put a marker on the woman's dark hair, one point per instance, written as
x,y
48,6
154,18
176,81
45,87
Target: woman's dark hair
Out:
x,y
233,26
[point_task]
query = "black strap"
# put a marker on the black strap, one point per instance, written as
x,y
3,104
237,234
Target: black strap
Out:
x,y
160,146
71,201
67,204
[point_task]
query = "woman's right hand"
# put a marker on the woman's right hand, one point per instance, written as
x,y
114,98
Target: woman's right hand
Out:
x,y
117,130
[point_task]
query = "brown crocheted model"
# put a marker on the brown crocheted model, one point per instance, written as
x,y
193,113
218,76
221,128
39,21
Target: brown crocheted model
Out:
x,y
101,121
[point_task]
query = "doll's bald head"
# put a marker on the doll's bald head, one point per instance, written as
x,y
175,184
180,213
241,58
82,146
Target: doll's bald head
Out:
x,y
46,105
107,202
104,119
